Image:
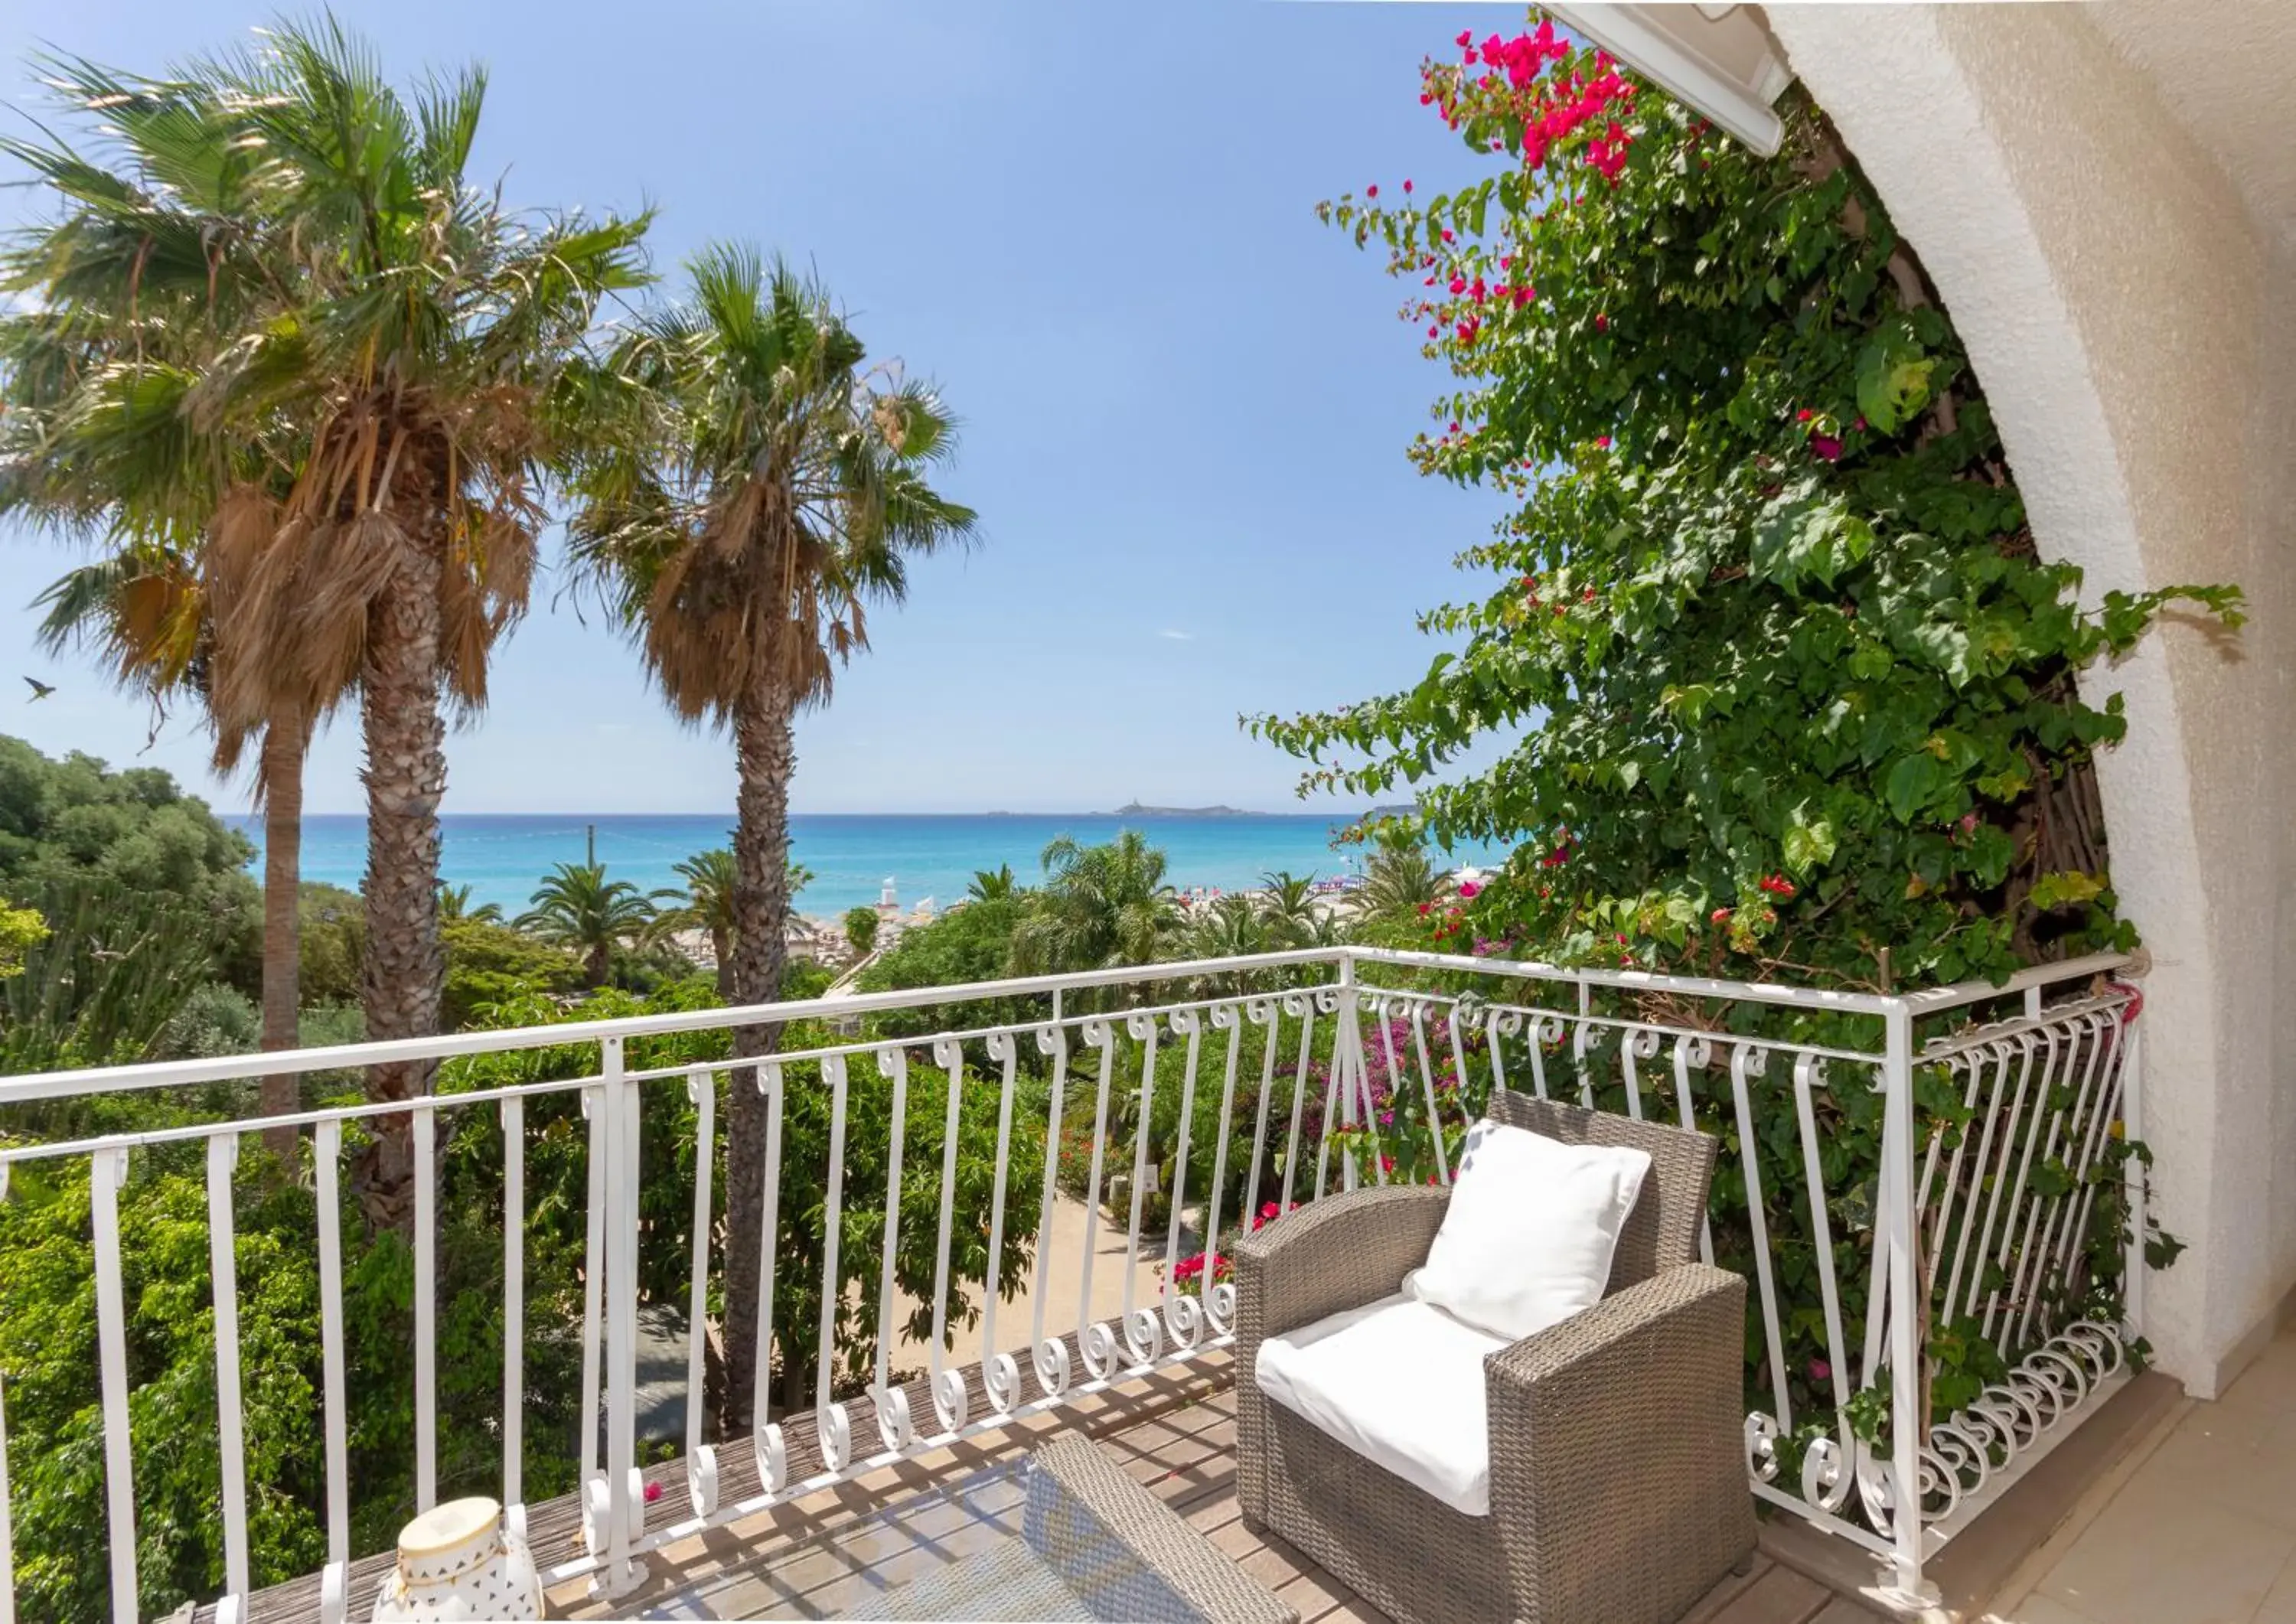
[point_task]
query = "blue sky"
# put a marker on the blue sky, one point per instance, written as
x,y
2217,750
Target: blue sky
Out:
x,y
1184,402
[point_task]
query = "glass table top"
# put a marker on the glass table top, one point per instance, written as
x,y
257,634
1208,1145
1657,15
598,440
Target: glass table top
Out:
x,y
1007,1542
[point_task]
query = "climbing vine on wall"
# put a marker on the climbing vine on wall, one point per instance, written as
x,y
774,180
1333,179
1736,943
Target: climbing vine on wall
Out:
x,y
1780,683
1798,694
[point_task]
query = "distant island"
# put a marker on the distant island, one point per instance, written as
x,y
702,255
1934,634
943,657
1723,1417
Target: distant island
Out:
x,y
1135,809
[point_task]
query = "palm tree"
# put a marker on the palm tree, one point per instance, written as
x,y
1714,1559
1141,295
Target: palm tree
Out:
x,y
96,441
993,885
150,617
1287,906
709,877
708,905
1100,906
764,492
577,907
455,905
393,341
1398,879
1230,928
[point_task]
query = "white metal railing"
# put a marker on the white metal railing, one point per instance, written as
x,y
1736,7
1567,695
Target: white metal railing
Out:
x,y
1981,1212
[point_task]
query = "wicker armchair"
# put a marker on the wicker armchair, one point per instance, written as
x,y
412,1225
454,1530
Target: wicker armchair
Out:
x,y
1617,1474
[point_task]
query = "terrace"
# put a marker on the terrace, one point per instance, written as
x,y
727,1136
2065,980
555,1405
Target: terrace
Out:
x,y
1177,1100
1925,1192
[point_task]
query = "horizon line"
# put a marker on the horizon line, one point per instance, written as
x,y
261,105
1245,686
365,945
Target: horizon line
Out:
x,y
247,812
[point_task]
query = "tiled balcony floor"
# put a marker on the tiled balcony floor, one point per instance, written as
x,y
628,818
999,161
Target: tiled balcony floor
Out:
x,y
1174,1432
2198,1527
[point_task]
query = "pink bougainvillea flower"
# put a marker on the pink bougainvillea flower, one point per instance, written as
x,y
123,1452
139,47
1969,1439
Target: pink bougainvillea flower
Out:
x,y
1458,285
1371,191
1824,448
1721,917
1469,890
1602,442
1804,416
1466,38
1601,322
1820,1371
1407,185
653,1493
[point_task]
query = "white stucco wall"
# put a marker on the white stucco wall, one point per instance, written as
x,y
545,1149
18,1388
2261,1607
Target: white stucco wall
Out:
x,y
2132,317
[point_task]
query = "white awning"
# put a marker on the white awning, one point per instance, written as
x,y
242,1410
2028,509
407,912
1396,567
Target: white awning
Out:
x,y
1719,58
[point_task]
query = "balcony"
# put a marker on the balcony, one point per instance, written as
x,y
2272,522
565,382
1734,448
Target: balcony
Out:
x,y
1927,1192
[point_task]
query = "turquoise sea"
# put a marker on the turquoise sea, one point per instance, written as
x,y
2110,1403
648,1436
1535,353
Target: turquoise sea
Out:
x,y
501,856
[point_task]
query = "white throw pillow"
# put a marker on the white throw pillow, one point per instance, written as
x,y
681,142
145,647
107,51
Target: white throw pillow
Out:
x,y
1532,1223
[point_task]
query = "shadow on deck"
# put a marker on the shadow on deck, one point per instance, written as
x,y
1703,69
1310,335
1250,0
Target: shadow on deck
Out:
x,y
1173,1430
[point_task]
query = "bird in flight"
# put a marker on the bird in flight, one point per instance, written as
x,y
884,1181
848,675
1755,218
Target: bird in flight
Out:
x,y
40,690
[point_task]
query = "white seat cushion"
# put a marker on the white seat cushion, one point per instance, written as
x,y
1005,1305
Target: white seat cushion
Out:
x,y
1400,1382
1526,1240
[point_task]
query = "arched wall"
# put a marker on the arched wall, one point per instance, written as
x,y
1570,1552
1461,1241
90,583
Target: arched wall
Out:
x,y
2133,329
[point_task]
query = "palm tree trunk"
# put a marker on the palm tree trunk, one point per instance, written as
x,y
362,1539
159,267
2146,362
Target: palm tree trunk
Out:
x,y
721,949
599,962
765,751
281,787
405,777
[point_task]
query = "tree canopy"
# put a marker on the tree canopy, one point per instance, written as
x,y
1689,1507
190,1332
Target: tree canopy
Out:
x,y
1099,906
575,907
143,895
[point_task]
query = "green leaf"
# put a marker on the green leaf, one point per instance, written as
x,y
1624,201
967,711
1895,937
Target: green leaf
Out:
x,y
1893,376
1807,845
2065,890
1688,700
1802,537
1911,784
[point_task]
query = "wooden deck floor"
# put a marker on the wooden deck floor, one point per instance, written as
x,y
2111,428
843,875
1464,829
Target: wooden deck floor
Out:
x,y
1175,1433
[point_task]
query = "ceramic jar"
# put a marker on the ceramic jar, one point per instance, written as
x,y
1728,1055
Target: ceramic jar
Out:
x,y
457,1565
